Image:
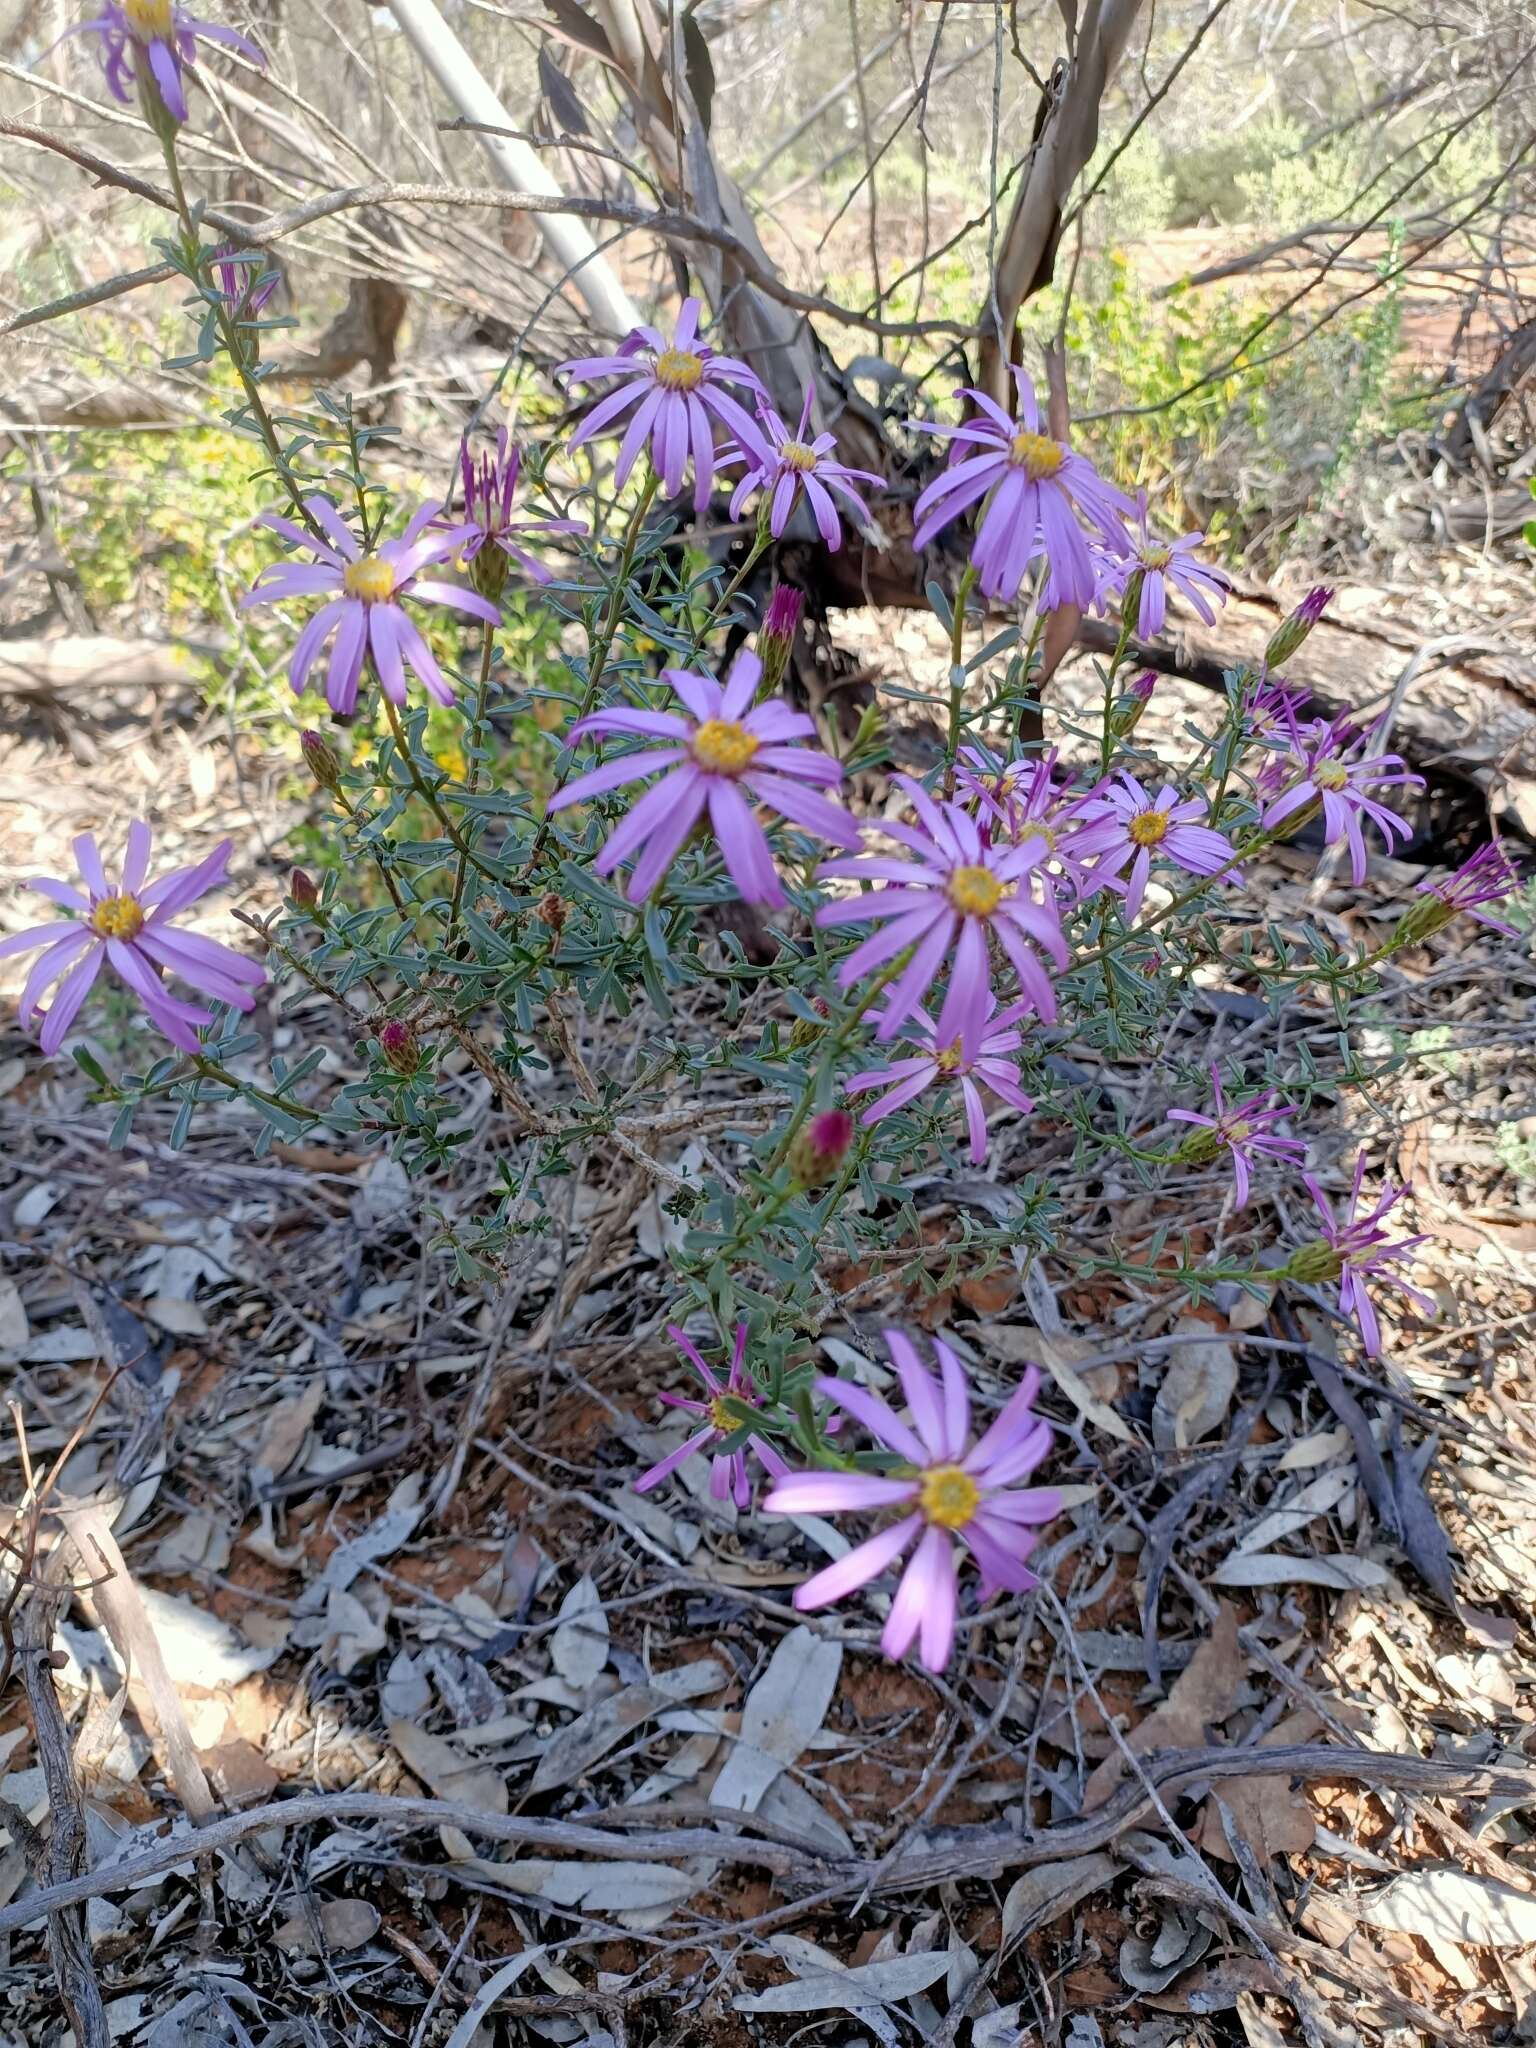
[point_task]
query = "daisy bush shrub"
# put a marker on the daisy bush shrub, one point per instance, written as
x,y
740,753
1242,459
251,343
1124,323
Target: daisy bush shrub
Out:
x,y
857,970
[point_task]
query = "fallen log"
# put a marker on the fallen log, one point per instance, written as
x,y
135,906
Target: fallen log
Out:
x,y
40,670
1464,708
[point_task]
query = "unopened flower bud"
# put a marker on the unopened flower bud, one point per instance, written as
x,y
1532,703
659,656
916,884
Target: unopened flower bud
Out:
x,y
1290,633
820,1148
552,911
1130,600
398,1046
803,1032
1126,715
301,890
1313,1262
323,764
488,572
776,636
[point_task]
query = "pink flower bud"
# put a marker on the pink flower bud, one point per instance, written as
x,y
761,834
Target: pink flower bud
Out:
x,y
776,638
1290,633
302,890
820,1148
399,1047
323,764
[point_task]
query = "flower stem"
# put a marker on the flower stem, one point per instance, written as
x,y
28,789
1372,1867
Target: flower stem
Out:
x,y
451,831
723,603
476,741
956,677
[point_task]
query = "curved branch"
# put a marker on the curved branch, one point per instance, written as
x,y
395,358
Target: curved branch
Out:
x,y
666,222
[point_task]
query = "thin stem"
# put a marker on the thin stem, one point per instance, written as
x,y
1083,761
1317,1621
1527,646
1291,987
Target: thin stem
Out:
x,y
598,660
723,603
956,677
451,831
476,741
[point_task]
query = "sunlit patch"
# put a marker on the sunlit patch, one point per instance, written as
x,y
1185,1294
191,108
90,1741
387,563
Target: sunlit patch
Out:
x,y
948,1496
678,369
1036,454
117,917
1148,828
370,579
723,746
975,891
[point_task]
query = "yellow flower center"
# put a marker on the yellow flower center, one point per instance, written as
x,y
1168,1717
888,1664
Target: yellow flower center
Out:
x,y
796,455
1155,558
1148,828
150,20
723,746
1032,828
370,579
975,892
1036,454
678,369
1330,775
720,1416
948,1061
948,1496
117,917
1238,1131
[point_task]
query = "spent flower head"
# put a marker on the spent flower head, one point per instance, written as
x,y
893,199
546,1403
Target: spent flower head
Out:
x,y
728,1469
1484,877
1357,1249
954,1492
492,535
1245,1131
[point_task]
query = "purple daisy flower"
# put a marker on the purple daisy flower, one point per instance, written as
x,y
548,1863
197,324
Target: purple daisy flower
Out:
x,y
1040,489
728,1472
1148,825
490,484
905,1079
790,465
1357,1250
726,750
1486,876
678,391
155,40
365,614
1318,773
1161,565
1274,707
129,926
956,890
954,1492
1021,795
1243,1130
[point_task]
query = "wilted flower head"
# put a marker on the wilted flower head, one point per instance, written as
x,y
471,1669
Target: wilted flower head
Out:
x,y
365,615
791,465
724,752
1159,827
1484,877
1243,1130
776,635
1318,774
676,393
955,892
490,486
1040,489
1141,558
1290,633
244,282
995,1065
151,42
955,1492
1357,1250
728,1475
129,927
